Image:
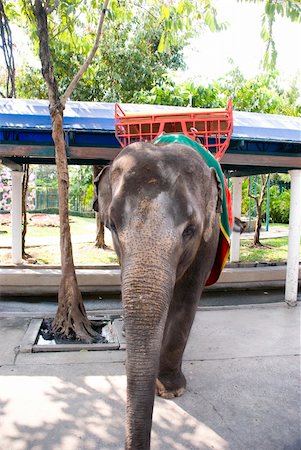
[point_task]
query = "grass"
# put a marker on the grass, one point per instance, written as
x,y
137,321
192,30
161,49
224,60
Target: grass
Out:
x,y
83,254
83,232
78,226
274,250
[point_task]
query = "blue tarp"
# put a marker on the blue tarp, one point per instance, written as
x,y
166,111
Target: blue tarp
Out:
x,y
99,117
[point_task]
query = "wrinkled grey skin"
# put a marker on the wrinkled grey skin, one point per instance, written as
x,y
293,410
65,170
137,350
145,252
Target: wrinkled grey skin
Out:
x,y
162,204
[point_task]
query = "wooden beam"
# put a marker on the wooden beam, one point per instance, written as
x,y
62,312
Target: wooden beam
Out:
x,y
109,153
9,150
261,160
38,151
93,153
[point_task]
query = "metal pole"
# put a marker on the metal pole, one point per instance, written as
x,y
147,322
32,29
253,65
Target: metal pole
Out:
x,y
293,256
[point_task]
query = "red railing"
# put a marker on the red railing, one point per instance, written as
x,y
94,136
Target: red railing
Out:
x,y
212,127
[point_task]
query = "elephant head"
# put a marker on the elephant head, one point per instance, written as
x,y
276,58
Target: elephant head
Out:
x,y
162,205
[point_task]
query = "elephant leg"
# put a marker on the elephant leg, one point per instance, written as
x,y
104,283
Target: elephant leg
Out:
x,y
170,380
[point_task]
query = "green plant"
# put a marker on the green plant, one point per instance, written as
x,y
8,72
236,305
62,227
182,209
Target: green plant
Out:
x,y
279,205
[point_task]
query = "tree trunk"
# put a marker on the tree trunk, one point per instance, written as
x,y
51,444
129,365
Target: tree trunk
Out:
x,y
259,201
100,229
256,237
100,235
70,319
24,212
7,48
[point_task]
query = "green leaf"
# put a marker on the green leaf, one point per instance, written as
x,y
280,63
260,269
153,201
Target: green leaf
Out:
x,y
162,43
165,12
210,21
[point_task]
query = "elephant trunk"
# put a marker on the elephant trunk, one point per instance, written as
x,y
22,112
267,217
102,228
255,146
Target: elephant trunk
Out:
x,y
146,294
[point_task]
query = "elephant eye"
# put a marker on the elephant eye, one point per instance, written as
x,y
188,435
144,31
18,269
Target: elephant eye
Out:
x,y
189,231
112,227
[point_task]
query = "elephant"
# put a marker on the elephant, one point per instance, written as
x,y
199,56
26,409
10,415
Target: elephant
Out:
x,y
162,204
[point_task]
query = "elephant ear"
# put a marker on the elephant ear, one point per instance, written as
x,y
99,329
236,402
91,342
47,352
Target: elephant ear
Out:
x,y
102,193
214,205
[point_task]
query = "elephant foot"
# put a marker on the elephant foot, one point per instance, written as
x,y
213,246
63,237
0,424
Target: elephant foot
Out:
x,y
171,388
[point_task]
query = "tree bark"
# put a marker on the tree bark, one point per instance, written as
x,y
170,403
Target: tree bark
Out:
x,y
24,209
100,229
71,318
7,47
256,237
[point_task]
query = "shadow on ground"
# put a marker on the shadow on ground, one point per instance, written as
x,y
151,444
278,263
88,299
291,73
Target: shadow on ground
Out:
x,y
88,413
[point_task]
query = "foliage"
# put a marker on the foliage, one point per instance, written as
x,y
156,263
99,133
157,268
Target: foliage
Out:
x,y
245,203
142,40
80,189
279,205
167,92
259,94
279,199
81,186
273,8
45,175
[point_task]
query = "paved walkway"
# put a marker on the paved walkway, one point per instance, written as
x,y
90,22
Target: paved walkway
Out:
x,y
243,372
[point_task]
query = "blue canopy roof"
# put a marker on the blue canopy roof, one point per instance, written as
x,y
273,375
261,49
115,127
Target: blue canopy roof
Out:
x,y
259,142
96,116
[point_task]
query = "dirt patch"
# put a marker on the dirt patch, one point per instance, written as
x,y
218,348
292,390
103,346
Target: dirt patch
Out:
x,y
38,220
45,220
84,253
5,219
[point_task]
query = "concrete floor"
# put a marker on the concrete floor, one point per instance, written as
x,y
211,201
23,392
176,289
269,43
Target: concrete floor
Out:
x,y
243,371
46,305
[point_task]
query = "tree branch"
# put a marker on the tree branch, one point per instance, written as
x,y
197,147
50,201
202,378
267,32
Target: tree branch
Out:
x,y
264,181
54,36
249,191
45,54
7,48
84,67
146,10
49,9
